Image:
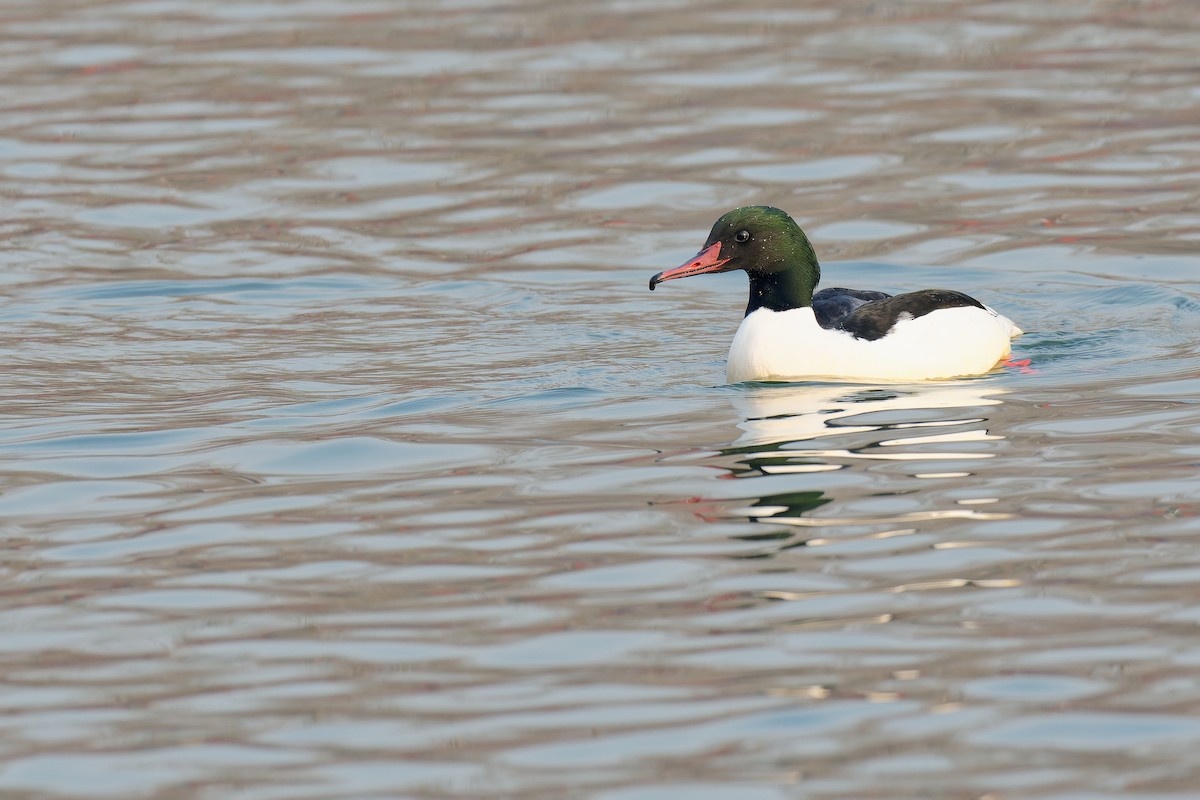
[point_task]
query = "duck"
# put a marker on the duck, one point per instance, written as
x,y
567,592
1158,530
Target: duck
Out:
x,y
791,332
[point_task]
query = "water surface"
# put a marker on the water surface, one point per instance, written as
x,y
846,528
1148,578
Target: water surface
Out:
x,y
343,452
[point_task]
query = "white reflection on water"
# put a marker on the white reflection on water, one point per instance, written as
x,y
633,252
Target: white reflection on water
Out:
x,y
797,412
781,421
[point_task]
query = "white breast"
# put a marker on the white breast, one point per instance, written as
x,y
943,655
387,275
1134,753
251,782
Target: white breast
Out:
x,y
947,343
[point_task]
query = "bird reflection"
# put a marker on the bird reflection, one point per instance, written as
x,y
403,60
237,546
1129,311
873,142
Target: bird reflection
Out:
x,y
781,414
788,503
804,430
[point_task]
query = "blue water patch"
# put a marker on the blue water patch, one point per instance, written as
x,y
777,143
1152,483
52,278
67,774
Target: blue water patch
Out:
x,y
1048,689
89,497
1097,731
420,405
323,408
125,442
350,455
148,215
547,399
185,288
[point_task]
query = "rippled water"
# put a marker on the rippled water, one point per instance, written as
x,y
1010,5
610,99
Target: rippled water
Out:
x,y
345,454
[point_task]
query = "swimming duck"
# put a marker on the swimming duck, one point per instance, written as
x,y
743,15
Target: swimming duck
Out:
x,y
790,333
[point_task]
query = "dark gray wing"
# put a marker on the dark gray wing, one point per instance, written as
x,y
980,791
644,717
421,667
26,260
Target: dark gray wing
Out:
x,y
832,306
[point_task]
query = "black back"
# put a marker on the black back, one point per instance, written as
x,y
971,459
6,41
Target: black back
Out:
x,y
872,319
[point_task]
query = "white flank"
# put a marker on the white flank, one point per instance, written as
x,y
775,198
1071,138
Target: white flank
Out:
x,y
947,343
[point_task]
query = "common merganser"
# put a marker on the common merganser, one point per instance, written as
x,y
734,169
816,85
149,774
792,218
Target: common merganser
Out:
x,y
789,333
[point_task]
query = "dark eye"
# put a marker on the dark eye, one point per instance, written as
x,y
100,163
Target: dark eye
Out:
x,y
741,236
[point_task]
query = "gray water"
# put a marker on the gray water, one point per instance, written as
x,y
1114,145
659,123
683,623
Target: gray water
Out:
x,y
345,454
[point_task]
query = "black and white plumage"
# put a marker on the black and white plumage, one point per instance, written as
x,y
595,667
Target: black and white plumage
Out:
x,y
789,332
870,315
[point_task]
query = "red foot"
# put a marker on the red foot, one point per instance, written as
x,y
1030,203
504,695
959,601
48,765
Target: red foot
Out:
x,y
1021,365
